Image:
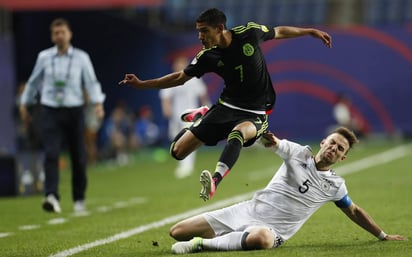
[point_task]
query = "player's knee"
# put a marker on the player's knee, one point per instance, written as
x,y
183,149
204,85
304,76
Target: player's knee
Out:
x,y
177,232
260,239
175,153
173,232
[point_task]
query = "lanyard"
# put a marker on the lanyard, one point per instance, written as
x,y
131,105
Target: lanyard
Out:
x,y
68,66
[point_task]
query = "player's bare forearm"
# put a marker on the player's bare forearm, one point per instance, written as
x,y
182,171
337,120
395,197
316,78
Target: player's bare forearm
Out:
x,y
282,32
170,80
289,32
364,220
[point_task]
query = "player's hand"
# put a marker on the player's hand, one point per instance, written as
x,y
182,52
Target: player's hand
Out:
x,y
24,114
130,79
325,37
99,111
268,139
395,238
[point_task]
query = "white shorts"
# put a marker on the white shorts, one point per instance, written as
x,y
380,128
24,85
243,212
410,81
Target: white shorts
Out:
x,y
238,217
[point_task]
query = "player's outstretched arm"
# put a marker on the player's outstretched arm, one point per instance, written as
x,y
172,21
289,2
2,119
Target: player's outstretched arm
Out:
x,y
362,218
290,32
170,80
269,140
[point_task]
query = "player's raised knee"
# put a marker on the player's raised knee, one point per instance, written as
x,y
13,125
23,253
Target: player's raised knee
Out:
x,y
178,232
260,239
174,152
174,231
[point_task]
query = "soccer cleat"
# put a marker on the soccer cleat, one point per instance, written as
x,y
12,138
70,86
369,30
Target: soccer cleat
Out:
x,y
191,115
192,246
208,185
51,204
79,206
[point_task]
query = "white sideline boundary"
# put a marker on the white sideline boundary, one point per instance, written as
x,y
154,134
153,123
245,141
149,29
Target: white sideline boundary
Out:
x,y
356,166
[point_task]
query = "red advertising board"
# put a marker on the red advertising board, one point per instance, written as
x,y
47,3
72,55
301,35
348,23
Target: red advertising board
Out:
x,y
74,4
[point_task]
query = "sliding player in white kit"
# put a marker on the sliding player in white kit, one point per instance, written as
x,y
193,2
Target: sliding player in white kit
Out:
x,y
302,184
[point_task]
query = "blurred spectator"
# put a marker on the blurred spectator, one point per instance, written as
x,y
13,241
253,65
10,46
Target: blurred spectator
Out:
x,y
119,131
345,115
93,124
60,73
145,129
29,145
175,101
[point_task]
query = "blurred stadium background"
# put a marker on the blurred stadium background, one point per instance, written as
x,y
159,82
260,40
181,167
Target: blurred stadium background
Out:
x,y
370,62
371,58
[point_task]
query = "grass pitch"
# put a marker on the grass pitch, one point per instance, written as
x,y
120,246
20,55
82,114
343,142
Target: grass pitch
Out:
x,y
132,208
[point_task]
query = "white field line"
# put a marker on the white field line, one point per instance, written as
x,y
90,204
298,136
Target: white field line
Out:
x,y
5,234
150,226
377,159
29,227
61,220
354,166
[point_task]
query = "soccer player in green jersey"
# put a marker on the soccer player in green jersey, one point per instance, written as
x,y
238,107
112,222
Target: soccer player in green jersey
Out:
x,y
240,115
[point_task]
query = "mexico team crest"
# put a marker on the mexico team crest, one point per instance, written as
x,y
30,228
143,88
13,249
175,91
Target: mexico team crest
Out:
x,y
248,49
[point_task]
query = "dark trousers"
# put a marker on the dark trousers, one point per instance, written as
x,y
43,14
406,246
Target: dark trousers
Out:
x,y
68,125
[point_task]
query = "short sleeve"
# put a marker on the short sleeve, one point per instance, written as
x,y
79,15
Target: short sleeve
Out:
x,y
287,149
262,32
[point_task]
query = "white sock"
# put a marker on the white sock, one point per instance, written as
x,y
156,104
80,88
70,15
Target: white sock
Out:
x,y
222,168
228,242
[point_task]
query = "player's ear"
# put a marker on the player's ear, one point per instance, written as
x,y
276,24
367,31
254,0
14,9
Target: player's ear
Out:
x,y
343,157
221,27
322,142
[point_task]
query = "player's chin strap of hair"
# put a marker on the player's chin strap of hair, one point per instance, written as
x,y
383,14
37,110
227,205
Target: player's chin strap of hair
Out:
x,y
382,235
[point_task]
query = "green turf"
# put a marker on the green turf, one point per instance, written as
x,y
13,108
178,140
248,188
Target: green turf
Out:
x,y
146,191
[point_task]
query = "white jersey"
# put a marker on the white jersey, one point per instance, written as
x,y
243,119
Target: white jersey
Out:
x,y
183,97
296,191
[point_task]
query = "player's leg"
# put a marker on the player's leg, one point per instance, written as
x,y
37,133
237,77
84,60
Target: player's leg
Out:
x,y
253,238
208,225
77,150
243,134
222,237
188,140
235,140
261,237
228,158
196,226
184,143
184,167
51,135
